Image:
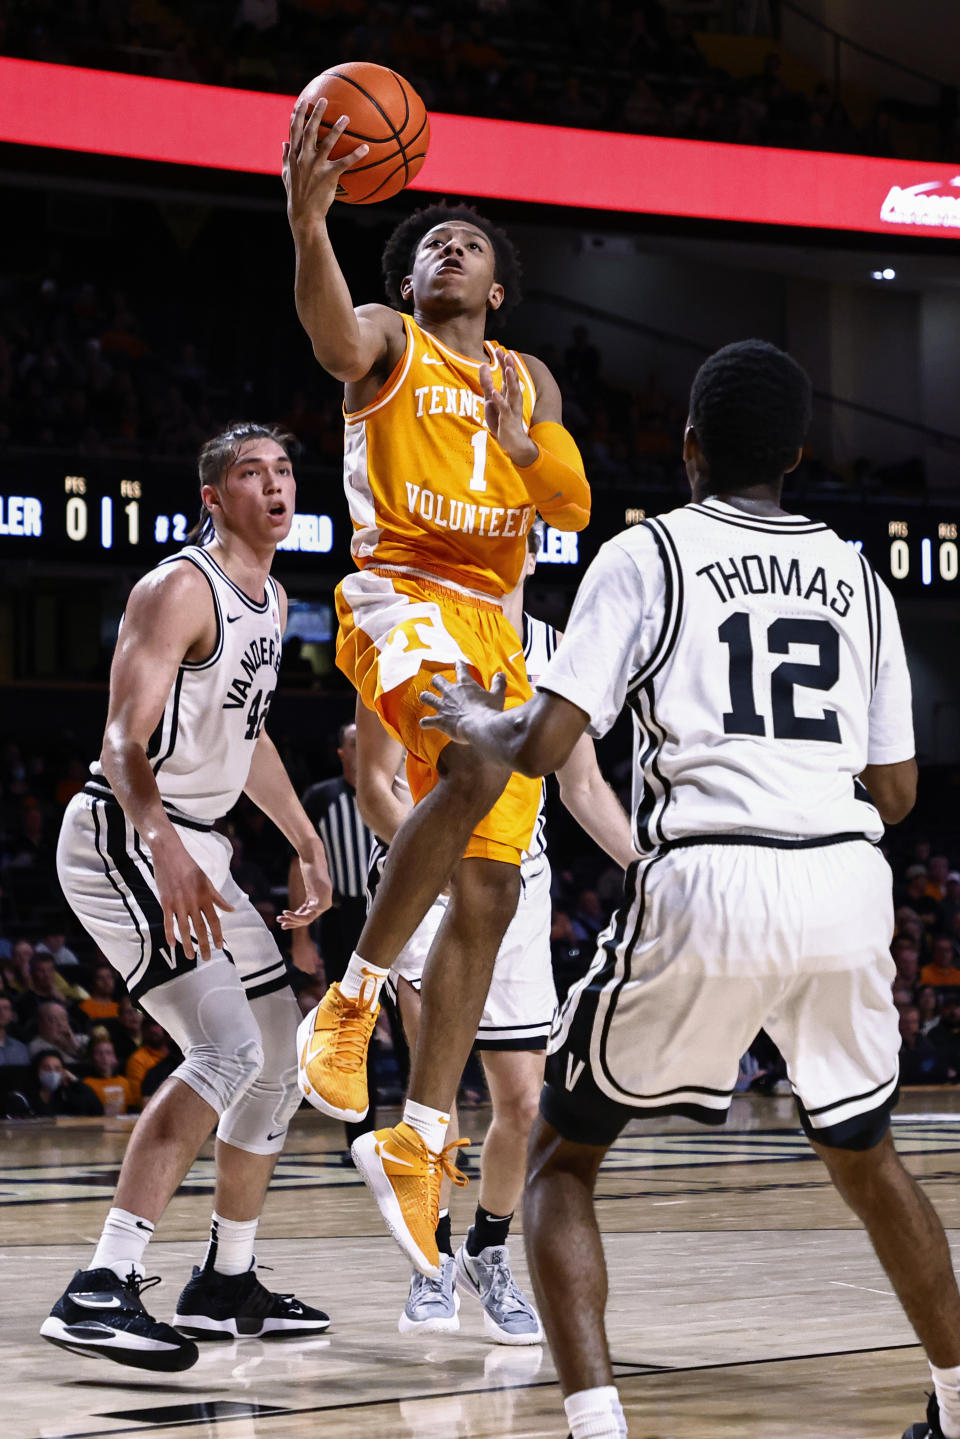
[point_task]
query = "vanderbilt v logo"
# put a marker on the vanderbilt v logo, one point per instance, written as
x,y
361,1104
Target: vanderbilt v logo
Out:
x,y
575,1068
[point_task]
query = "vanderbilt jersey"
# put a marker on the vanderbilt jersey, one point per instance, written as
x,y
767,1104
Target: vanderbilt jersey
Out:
x,y
762,661
427,486
201,750
539,644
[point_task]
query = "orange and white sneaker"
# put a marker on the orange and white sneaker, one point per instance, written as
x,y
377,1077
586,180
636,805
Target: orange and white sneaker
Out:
x,y
403,1176
332,1045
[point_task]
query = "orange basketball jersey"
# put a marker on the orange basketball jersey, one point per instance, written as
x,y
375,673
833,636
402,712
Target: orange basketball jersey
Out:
x,y
427,485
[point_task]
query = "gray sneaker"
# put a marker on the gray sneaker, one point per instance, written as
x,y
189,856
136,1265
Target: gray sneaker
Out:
x,y
508,1315
432,1305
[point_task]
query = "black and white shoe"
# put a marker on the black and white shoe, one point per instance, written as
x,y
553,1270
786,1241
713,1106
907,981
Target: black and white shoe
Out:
x,y
100,1314
928,1428
237,1306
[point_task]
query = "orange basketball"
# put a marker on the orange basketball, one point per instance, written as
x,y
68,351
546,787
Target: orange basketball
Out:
x,y
385,113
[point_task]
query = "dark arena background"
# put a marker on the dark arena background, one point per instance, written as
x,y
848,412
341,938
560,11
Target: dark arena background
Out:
x,y
676,174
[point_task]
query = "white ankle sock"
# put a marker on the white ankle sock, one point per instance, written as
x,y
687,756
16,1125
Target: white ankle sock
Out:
x,y
430,1124
124,1238
363,978
595,1414
947,1384
230,1249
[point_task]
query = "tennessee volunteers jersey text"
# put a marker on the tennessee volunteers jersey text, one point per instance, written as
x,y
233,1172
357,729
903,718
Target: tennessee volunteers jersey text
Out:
x,y
427,485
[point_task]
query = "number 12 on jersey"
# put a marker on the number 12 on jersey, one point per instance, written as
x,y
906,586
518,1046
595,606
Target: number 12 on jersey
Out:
x,y
742,717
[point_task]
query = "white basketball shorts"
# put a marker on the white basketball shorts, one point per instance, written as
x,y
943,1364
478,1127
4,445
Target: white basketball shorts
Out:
x,y
106,874
715,940
522,1000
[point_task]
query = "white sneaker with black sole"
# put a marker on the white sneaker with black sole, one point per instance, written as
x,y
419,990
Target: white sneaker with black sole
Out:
x,y
508,1315
433,1305
101,1315
238,1306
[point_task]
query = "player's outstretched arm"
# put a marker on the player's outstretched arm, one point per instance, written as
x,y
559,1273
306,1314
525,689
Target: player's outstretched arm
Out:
x,y
547,457
169,612
349,344
593,804
535,738
378,758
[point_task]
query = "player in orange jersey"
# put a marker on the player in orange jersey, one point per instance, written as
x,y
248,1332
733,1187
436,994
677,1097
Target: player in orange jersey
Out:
x,y
452,447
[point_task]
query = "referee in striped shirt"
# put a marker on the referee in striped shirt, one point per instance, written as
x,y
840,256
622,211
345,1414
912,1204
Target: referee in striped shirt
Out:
x,y
332,807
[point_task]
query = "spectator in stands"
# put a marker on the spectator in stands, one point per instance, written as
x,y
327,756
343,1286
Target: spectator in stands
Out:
x,y
945,1034
588,917
54,1089
920,1063
155,1047
569,956
126,1030
906,956
102,1003
951,904
928,1003
54,944
54,1032
914,894
112,1088
46,983
16,973
943,969
12,1051
937,872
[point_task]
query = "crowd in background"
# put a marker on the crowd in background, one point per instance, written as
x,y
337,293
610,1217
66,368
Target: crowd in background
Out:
x,y
599,65
87,370
72,1041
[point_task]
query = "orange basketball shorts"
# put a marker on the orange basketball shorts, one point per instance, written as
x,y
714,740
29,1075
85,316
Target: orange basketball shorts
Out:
x,y
397,632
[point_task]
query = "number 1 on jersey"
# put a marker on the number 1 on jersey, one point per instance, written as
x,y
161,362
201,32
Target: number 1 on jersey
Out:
x,y
479,442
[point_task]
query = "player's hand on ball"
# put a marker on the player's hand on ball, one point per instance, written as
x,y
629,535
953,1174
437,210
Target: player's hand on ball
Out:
x,y
318,892
503,411
188,899
310,177
457,704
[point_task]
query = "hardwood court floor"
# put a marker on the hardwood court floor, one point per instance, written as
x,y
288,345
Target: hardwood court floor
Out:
x,y
744,1299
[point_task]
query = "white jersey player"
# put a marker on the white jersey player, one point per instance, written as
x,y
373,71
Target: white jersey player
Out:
x,y
149,878
763,663
517,1016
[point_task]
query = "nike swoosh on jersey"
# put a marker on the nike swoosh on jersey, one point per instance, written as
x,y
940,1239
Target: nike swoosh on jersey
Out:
x,y
94,1301
232,619
429,360
516,654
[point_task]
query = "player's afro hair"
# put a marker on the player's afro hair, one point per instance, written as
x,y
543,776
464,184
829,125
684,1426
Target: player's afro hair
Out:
x,y
750,409
400,249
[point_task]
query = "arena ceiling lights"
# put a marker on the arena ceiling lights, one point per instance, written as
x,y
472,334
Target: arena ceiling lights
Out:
x,y
62,107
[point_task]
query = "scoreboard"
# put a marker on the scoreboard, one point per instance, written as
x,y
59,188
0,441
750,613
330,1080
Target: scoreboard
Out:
x,y
104,516
132,521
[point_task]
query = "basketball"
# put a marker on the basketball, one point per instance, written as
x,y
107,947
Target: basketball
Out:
x,y
387,114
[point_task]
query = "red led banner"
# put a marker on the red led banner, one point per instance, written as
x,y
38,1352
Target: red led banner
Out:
x,y
65,108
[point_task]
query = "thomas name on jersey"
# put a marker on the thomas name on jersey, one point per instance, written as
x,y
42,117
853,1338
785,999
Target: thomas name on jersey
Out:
x,y
764,575
261,653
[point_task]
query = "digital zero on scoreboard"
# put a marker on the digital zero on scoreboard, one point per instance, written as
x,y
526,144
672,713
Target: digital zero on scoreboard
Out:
x,y
924,551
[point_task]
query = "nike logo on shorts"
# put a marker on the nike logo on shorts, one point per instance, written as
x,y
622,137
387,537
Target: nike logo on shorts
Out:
x,y
275,1135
